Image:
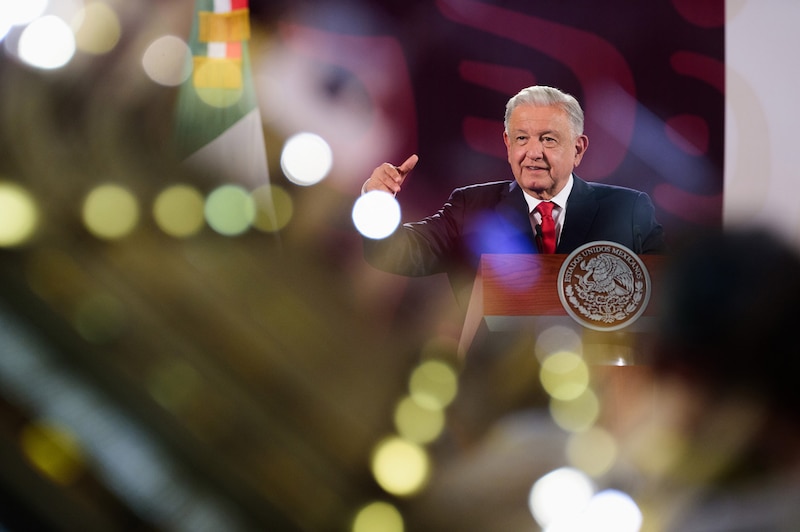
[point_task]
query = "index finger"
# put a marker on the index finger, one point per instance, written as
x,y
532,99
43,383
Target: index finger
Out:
x,y
408,164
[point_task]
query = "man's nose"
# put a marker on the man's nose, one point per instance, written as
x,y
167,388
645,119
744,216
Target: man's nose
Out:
x,y
535,150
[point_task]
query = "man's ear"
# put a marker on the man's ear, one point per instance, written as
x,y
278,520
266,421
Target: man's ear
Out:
x,y
581,145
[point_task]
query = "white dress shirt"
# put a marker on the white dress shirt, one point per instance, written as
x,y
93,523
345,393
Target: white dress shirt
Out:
x,y
559,207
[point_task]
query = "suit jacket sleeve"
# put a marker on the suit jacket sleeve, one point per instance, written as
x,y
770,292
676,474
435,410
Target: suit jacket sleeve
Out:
x,y
420,248
648,233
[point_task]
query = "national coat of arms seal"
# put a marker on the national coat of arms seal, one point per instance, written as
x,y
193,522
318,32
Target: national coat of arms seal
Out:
x,y
604,286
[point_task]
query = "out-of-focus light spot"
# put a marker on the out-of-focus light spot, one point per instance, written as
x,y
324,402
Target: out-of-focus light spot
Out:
x,y
433,384
593,451
274,208
376,214
53,450
378,517
99,318
612,511
400,467
560,494
16,13
219,83
110,212
656,450
137,469
306,159
607,511
54,275
173,385
230,210
564,375
416,422
19,216
578,414
179,211
97,28
47,43
168,61
556,339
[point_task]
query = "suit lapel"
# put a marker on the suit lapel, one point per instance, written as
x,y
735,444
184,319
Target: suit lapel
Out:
x,y
513,208
581,210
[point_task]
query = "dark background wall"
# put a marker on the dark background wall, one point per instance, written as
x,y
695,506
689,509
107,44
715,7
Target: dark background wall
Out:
x,y
650,76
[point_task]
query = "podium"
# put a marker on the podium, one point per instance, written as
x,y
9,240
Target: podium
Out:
x,y
520,293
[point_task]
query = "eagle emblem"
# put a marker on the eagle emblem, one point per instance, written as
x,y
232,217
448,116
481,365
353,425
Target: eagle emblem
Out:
x,y
604,286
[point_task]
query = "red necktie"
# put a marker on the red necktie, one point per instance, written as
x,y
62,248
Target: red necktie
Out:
x,y
545,210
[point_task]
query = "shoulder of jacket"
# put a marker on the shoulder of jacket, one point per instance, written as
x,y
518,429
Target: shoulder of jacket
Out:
x,y
491,186
607,189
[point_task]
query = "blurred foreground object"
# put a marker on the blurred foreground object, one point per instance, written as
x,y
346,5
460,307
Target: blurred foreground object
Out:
x,y
219,128
721,450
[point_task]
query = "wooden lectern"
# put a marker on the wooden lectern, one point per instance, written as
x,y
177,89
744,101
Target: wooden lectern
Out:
x,y
520,293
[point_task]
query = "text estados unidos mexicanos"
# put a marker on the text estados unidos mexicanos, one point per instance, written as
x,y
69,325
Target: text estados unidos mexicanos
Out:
x,y
627,257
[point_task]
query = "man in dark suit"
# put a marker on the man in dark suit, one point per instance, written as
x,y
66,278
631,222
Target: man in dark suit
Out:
x,y
545,143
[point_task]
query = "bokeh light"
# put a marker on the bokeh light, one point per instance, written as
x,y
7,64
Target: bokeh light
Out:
x,y
173,384
400,467
274,208
593,451
433,384
557,338
16,13
54,273
97,28
376,214
560,494
657,449
564,375
208,75
54,450
612,511
607,511
179,211
19,215
306,159
578,414
47,43
110,211
168,61
230,210
418,423
378,516
99,317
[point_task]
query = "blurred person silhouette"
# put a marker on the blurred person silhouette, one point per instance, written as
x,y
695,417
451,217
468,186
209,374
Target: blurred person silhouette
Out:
x,y
721,447
546,208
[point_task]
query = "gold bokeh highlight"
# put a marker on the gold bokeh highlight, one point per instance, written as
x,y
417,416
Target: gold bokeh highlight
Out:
x,y
178,211
53,450
433,384
274,208
110,212
19,215
400,467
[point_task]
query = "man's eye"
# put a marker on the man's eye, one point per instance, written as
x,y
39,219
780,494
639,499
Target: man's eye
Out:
x,y
522,139
549,142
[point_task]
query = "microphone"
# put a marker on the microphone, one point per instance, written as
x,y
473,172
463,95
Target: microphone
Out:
x,y
539,238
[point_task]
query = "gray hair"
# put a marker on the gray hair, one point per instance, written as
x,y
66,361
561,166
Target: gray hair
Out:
x,y
543,96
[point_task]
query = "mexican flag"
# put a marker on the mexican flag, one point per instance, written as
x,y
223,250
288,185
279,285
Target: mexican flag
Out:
x,y
218,129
